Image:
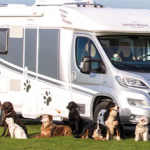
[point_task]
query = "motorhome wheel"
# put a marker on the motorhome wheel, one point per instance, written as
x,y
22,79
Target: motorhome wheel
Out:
x,y
99,113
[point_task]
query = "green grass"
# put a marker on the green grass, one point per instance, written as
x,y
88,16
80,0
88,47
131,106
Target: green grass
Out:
x,y
69,143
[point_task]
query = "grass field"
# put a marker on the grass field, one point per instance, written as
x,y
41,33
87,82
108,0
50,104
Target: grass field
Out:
x,y
69,143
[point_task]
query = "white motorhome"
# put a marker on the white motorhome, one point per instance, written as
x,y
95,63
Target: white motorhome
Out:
x,y
59,51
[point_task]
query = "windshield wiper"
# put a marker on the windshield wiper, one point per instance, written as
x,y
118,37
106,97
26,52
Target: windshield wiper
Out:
x,y
145,68
125,64
136,67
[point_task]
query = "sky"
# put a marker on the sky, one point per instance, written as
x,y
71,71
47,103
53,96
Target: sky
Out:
x,y
136,4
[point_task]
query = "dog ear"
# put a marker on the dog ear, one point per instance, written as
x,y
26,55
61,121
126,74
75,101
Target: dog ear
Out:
x,y
11,105
50,117
110,105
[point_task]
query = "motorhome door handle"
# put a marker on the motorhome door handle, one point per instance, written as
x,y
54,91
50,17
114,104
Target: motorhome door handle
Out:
x,y
26,71
73,76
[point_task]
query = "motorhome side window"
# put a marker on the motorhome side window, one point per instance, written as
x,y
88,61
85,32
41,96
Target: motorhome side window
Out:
x,y
85,47
3,41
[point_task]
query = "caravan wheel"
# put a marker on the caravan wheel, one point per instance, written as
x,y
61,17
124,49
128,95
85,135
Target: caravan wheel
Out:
x,y
99,113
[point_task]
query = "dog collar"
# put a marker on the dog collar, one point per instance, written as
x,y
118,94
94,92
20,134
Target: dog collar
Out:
x,y
12,126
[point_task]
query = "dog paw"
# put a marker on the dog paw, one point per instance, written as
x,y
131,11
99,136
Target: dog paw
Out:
x,y
37,136
47,98
27,86
103,139
107,137
118,138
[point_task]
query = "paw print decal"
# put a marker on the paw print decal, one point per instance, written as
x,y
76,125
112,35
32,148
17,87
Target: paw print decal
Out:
x,y
27,86
47,98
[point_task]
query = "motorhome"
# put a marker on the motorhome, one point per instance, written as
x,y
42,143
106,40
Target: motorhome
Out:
x,y
59,51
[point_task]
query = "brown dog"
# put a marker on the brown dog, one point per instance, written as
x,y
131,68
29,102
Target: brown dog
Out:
x,y
49,129
10,112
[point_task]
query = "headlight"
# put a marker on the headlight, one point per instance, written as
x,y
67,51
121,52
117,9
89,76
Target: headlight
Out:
x,y
134,118
129,82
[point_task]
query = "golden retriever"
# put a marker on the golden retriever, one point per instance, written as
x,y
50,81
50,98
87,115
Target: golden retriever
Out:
x,y
49,129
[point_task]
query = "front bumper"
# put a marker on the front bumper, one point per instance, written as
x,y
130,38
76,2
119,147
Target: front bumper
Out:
x,y
131,114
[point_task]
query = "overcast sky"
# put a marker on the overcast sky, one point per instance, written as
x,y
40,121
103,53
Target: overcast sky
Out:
x,y
142,4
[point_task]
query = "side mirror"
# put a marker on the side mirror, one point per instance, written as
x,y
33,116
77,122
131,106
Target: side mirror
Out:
x,y
85,66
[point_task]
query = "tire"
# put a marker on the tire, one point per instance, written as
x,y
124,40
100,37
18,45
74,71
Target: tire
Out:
x,y
99,113
2,115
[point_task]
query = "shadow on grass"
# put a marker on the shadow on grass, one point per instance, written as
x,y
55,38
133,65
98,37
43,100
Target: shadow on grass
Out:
x,y
129,134
31,122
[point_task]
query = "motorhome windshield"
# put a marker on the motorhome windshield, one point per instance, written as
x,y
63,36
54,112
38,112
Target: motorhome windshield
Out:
x,y
128,52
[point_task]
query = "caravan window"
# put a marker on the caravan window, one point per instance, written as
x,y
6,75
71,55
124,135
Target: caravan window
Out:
x,y
3,41
85,47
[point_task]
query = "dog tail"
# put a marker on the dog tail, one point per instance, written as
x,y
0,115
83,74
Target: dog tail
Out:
x,y
84,134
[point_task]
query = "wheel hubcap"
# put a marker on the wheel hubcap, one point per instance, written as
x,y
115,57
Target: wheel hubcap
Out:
x,y
100,117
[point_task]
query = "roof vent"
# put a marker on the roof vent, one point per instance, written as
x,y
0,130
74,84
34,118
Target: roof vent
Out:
x,y
53,2
83,5
62,2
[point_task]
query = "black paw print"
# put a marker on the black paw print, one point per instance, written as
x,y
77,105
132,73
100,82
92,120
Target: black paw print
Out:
x,y
27,86
47,98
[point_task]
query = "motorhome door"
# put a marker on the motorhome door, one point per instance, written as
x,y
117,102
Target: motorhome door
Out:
x,y
84,86
29,83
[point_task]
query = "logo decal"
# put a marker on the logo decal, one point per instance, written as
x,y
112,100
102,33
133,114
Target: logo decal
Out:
x,y
136,24
47,98
27,86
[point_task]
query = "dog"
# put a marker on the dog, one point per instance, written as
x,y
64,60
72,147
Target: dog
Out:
x,y
93,131
50,129
141,130
14,129
75,121
10,112
114,129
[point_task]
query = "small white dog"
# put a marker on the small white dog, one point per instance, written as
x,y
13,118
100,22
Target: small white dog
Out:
x,y
15,130
141,131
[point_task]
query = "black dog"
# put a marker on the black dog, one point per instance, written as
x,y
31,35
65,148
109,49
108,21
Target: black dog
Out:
x,y
75,121
93,131
9,112
114,128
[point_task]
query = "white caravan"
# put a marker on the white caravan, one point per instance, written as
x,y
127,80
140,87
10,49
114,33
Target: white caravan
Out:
x,y
58,51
